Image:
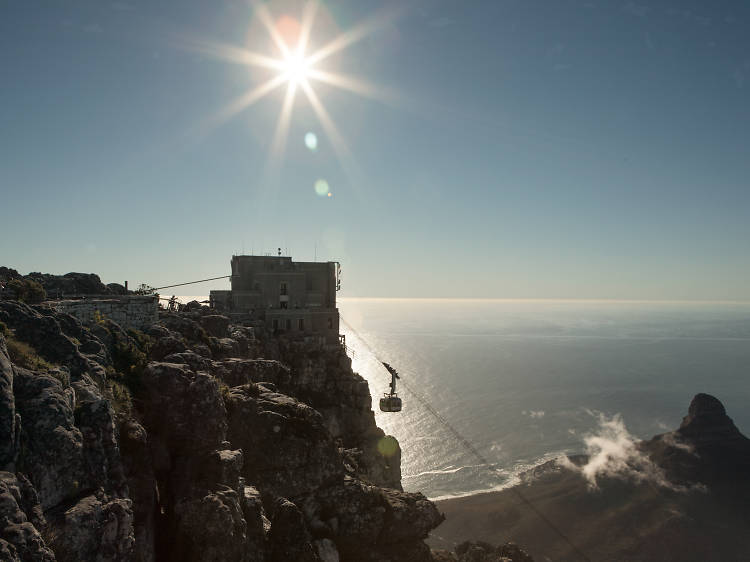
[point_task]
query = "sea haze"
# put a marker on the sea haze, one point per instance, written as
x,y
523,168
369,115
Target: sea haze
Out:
x,y
525,381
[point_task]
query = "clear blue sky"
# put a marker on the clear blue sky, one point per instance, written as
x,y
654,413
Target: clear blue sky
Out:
x,y
562,149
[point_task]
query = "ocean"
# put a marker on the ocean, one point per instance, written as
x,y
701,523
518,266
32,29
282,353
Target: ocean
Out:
x,y
524,382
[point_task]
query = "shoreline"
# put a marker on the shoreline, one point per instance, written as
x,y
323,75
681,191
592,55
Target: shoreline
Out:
x,y
515,478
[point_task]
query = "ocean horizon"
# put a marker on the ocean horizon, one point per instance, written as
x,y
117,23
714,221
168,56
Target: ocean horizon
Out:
x,y
527,381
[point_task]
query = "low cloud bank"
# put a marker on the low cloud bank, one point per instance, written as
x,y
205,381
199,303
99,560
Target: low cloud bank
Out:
x,y
612,453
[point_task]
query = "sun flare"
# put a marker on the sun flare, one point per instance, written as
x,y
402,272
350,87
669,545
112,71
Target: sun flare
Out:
x,y
298,69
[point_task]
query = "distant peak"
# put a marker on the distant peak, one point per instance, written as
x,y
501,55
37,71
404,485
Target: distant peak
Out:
x,y
706,405
706,412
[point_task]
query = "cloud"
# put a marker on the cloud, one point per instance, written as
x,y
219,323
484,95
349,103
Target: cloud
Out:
x,y
533,414
612,453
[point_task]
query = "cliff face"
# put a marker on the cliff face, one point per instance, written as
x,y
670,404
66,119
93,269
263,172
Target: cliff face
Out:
x,y
193,441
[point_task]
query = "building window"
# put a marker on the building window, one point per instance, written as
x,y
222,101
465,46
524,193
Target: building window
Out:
x,y
283,290
288,324
275,324
283,304
301,324
330,323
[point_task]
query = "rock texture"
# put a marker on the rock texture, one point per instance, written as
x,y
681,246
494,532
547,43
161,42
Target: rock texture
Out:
x,y
707,448
193,440
63,438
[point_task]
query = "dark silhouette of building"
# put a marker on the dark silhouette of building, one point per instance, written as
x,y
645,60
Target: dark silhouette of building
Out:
x,y
297,298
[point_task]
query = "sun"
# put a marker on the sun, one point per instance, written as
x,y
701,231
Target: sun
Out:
x,y
296,67
292,66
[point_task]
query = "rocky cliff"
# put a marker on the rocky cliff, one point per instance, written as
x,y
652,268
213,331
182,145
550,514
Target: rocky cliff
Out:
x,y
194,440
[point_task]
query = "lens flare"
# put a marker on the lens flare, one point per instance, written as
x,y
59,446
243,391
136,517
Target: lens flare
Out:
x,y
321,188
295,66
311,141
388,446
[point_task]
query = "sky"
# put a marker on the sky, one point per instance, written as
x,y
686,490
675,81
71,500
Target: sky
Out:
x,y
503,149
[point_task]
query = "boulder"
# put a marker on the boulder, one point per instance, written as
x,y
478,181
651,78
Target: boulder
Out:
x,y
191,330
367,520
289,538
236,372
216,325
211,529
71,283
258,524
184,409
116,289
166,346
288,451
21,521
96,528
51,449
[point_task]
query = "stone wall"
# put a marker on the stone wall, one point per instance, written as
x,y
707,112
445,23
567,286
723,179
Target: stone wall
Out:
x,y
129,311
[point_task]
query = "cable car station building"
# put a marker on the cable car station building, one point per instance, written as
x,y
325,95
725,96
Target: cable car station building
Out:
x,y
294,298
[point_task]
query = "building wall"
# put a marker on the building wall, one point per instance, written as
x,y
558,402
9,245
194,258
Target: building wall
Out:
x,y
282,292
136,312
257,283
324,321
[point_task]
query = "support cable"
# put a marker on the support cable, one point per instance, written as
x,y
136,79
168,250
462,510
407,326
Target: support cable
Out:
x,y
191,282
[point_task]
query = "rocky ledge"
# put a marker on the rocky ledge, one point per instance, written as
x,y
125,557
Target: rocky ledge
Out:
x,y
197,439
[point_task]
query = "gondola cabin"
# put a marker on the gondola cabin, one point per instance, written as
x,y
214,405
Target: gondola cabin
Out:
x,y
390,402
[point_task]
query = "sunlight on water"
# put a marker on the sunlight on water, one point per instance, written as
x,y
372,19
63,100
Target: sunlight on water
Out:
x,y
524,381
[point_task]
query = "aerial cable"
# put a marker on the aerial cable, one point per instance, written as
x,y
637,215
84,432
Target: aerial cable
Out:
x,y
470,447
191,282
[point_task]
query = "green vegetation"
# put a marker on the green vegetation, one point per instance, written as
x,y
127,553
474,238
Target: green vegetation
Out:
x,y
27,290
130,357
24,355
122,401
224,391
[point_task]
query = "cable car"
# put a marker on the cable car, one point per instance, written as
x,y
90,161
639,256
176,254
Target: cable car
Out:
x,y
390,402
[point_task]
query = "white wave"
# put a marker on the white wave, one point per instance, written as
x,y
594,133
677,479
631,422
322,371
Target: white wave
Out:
x,y
512,477
447,470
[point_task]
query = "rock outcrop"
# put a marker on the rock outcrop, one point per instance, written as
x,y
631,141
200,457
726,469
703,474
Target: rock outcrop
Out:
x,y
707,449
195,440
